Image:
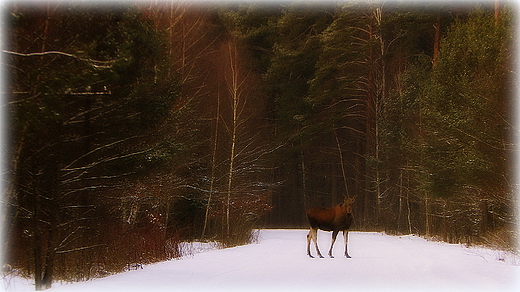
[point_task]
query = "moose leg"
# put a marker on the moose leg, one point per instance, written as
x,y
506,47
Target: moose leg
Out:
x,y
316,242
309,238
345,235
313,236
334,235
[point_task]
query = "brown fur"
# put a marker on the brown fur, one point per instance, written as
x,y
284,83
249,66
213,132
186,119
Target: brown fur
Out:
x,y
333,219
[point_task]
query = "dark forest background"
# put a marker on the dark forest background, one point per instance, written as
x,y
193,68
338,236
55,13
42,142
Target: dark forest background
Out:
x,y
134,128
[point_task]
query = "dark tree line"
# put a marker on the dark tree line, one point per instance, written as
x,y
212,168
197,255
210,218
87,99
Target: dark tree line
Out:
x,y
136,127
405,106
390,102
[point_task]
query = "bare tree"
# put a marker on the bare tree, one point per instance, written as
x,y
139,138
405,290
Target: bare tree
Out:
x,y
243,189
236,88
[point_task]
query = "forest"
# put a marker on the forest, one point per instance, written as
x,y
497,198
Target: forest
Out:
x,y
135,127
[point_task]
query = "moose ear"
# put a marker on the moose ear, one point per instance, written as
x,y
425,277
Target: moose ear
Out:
x,y
349,201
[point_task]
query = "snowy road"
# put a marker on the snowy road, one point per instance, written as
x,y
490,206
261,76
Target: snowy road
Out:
x,y
279,263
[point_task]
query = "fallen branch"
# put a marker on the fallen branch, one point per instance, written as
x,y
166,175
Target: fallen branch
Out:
x,y
95,63
78,249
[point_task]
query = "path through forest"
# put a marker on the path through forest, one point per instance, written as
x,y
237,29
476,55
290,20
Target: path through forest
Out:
x,y
278,262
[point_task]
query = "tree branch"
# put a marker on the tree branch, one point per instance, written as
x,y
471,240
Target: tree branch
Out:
x,y
94,63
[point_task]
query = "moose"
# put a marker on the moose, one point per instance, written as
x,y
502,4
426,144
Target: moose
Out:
x,y
333,219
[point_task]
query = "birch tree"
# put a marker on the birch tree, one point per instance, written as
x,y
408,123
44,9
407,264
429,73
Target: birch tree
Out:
x,y
245,190
235,79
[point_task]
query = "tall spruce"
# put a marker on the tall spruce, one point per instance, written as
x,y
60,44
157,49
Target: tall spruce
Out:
x,y
468,120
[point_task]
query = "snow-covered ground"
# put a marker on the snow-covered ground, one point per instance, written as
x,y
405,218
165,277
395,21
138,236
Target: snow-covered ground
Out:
x,y
278,262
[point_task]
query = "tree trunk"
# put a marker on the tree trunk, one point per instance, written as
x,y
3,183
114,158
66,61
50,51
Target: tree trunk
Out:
x,y
484,217
48,270
213,168
342,164
436,40
497,12
369,129
231,166
37,246
427,216
234,90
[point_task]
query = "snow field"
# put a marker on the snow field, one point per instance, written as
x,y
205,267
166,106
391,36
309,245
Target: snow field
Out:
x,y
278,262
